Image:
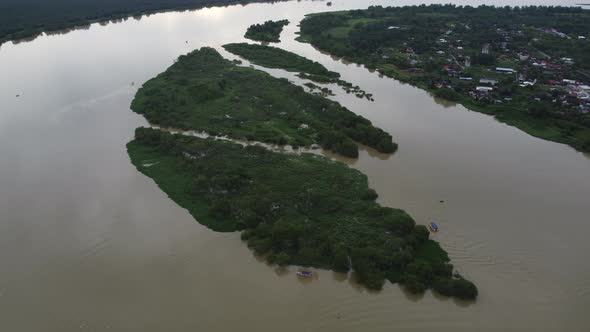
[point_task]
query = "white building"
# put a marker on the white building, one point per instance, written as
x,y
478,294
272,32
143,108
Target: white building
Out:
x,y
487,80
505,70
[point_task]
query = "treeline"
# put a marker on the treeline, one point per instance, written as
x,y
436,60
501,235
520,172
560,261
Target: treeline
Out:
x,y
27,18
474,26
269,31
297,210
203,91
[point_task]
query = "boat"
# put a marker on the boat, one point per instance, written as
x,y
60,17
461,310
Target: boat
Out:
x,y
305,273
433,227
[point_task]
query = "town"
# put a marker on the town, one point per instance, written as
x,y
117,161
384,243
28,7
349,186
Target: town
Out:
x,y
527,71
527,66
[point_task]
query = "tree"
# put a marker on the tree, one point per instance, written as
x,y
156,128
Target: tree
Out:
x,y
486,59
444,286
464,289
364,264
282,259
284,235
458,287
370,195
221,209
347,149
386,146
340,261
421,233
413,284
447,94
539,110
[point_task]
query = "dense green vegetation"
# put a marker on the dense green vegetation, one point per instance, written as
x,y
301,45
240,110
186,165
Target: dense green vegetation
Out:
x,y
296,209
203,91
269,31
451,50
27,18
274,57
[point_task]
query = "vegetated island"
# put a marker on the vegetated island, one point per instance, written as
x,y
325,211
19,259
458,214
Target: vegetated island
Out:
x,y
274,57
202,91
527,66
269,31
23,19
294,209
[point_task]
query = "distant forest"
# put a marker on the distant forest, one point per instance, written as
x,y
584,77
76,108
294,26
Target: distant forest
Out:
x,y
27,18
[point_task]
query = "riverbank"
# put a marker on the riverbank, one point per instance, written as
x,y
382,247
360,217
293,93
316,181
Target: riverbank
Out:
x,y
526,67
21,21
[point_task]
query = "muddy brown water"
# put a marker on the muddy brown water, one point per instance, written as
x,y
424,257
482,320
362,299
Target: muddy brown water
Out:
x,y
87,243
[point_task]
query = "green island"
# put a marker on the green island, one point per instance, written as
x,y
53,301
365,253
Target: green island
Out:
x,y
296,209
529,67
269,31
204,92
274,57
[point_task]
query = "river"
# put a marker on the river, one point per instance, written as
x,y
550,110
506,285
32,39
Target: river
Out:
x,y
87,243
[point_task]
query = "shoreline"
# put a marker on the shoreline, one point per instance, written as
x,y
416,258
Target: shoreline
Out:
x,y
21,36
